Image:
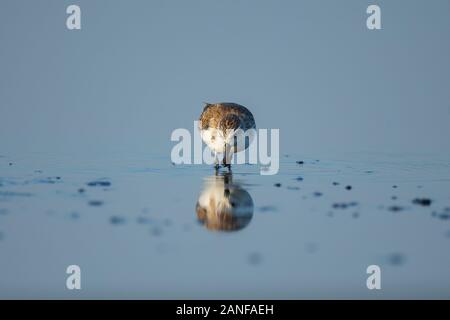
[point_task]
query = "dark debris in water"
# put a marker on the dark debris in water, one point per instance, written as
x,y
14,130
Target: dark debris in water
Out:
x,y
396,259
267,208
95,203
48,180
99,183
278,185
335,183
344,205
425,202
443,215
348,187
317,194
117,220
299,162
396,208
299,178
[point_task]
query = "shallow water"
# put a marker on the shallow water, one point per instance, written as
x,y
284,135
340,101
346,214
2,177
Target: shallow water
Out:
x,y
132,226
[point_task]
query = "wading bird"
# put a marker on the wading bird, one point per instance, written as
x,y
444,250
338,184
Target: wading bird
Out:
x,y
225,128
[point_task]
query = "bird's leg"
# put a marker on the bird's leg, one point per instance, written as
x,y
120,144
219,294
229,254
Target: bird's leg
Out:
x,y
216,161
227,157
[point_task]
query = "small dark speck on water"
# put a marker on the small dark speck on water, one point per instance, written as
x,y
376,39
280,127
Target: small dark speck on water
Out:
x,y
10,163
99,183
394,197
267,208
348,187
369,171
116,220
317,194
445,215
394,186
396,259
395,208
335,183
300,162
277,184
95,203
81,190
299,178
344,205
254,258
422,202
293,188
48,180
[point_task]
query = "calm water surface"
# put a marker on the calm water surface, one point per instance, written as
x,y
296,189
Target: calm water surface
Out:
x,y
140,227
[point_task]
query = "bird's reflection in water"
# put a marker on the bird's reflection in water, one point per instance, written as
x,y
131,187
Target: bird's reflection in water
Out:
x,y
224,205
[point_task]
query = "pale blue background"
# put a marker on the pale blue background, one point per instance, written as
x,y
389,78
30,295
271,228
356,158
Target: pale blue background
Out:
x,y
139,69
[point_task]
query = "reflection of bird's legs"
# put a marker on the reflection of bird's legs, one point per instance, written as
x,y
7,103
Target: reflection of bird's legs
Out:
x,y
227,182
216,161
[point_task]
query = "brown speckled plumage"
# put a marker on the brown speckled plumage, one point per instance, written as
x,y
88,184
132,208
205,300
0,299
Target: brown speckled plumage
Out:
x,y
214,113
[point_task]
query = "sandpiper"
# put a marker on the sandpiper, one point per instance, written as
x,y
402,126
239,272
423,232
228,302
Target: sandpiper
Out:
x,y
225,128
